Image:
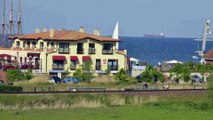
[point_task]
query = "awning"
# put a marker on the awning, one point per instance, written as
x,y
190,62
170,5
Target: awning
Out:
x,y
75,58
86,58
59,58
7,56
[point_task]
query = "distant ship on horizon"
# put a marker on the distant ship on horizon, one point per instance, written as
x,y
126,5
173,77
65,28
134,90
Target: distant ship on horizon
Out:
x,y
161,35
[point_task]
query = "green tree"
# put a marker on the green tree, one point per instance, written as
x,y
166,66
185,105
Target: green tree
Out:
x,y
85,73
78,74
151,75
14,75
121,76
181,72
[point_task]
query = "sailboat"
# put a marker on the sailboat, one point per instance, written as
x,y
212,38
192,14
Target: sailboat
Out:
x,y
116,34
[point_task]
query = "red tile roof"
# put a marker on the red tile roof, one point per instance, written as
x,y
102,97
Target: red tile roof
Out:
x,y
64,35
209,54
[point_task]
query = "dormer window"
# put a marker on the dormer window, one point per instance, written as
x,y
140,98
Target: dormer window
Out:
x,y
34,44
52,45
18,44
28,44
41,45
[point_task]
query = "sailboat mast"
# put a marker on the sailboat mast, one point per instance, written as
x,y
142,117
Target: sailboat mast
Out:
x,y
206,32
11,20
19,17
3,24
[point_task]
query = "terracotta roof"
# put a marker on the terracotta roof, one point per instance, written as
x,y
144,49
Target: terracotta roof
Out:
x,y
209,54
63,35
209,62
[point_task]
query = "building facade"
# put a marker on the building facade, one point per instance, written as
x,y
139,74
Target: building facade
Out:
x,y
56,51
208,57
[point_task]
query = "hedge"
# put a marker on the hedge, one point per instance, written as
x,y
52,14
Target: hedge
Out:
x,y
8,88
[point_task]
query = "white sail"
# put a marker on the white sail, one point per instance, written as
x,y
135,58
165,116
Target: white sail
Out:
x,y
116,34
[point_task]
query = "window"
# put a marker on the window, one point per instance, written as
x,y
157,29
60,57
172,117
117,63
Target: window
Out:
x,y
41,45
18,44
52,45
58,65
34,44
28,44
107,48
20,59
91,48
112,64
24,44
80,49
48,43
64,48
73,64
98,64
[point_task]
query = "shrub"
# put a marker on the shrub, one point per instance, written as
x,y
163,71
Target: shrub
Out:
x,y
14,75
28,75
121,76
210,86
7,88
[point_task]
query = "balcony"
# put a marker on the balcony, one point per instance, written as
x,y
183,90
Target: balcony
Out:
x,y
91,50
63,51
113,67
58,66
105,51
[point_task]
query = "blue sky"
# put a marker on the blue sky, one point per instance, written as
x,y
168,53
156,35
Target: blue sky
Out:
x,y
176,18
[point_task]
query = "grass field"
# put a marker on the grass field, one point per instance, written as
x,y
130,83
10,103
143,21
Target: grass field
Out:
x,y
110,113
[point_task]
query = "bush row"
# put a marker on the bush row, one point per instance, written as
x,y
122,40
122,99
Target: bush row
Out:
x,y
8,88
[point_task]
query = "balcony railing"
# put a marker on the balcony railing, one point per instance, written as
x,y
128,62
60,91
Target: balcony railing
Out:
x,y
80,51
63,51
105,51
58,67
113,67
23,66
91,50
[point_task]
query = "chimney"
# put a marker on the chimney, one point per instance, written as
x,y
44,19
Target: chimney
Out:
x,y
45,30
82,30
37,30
52,33
96,32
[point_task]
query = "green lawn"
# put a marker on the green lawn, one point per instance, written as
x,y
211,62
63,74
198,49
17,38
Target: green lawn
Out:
x,y
110,113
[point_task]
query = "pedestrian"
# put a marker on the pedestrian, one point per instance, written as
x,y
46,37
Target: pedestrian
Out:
x,y
145,85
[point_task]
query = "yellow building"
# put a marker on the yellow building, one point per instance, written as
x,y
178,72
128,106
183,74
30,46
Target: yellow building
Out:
x,y
56,51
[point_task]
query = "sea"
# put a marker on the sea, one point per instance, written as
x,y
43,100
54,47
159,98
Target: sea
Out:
x,y
155,50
